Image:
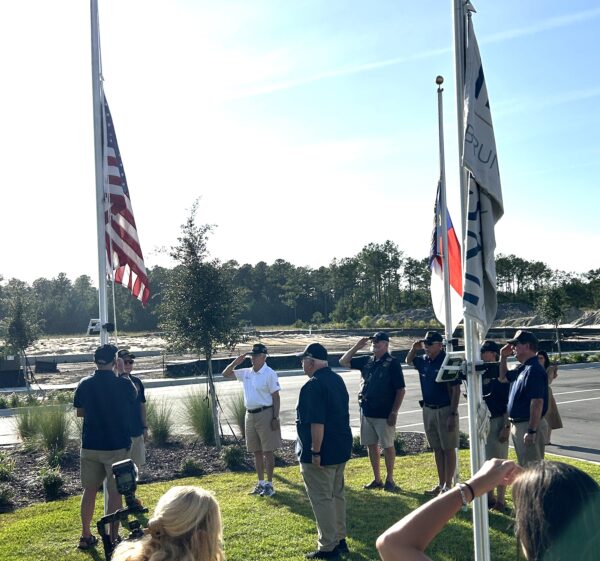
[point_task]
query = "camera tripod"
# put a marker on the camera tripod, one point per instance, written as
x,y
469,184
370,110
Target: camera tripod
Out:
x,y
108,523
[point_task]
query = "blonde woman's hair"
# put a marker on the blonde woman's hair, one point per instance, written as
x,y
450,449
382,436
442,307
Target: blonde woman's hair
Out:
x,y
186,526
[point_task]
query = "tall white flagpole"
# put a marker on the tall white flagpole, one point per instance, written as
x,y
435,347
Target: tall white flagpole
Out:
x,y
443,210
444,216
100,203
97,99
474,394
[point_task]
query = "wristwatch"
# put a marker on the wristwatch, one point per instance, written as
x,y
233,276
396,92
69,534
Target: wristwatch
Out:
x,y
313,453
531,431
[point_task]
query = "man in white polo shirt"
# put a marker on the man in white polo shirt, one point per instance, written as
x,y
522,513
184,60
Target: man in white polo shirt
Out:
x,y
261,397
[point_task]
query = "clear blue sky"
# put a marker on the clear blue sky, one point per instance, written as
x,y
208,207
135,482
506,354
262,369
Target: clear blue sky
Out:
x,y
308,129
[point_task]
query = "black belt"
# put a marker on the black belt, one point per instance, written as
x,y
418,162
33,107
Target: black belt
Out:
x,y
259,409
435,406
497,416
515,421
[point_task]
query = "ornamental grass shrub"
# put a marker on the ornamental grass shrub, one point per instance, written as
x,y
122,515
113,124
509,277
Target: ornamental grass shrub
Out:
x,y
27,423
159,416
197,415
237,409
54,426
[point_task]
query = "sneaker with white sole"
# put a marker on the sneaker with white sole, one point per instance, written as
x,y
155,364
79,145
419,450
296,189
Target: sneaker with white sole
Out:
x,y
268,490
258,490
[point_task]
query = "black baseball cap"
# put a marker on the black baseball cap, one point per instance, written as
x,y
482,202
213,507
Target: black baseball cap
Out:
x,y
380,336
105,354
522,336
490,346
258,349
125,353
314,350
433,337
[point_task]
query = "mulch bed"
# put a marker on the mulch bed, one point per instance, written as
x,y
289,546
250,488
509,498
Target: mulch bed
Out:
x,y
163,464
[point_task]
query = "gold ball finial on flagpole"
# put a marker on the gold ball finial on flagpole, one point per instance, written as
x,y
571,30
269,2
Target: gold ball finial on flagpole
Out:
x,y
439,80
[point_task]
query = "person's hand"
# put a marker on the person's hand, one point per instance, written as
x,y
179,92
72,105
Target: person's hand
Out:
x,y
529,439
362,342
506,351
316,461
417,345
240,359
145,434
274,424
120,365
493,473
504,434
392,417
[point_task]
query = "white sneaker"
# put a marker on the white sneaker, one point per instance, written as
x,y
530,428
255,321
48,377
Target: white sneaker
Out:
x,y
268,490
258,490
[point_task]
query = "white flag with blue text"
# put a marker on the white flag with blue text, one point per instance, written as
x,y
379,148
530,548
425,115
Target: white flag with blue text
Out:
x,y
484,203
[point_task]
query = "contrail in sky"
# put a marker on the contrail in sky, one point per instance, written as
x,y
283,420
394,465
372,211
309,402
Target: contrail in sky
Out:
x,y
539,27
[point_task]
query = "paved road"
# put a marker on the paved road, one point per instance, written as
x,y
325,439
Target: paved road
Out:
x,y
577,392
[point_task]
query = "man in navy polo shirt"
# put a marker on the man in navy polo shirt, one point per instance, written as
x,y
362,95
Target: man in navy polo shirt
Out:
x,y
104,401
382,390
440,407
528,397
323,446
495,395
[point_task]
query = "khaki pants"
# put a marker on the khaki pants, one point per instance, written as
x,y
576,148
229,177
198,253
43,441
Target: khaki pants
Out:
x,y
137,452
493,447
528,454
325,488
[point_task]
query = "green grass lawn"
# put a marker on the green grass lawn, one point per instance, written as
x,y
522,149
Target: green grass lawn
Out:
x,y
279,528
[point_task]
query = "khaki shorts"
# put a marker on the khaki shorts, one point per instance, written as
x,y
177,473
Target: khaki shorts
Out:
x,y
438,436
374,430
259,435
96,465
137,452
529,454
493,447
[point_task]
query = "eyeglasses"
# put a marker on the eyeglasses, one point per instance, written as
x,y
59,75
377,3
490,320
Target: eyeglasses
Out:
x,y
128,361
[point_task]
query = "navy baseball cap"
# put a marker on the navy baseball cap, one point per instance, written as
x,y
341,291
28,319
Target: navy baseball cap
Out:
x,y
522,336
105,354
314,350
433,337
258,349
380,336
490,346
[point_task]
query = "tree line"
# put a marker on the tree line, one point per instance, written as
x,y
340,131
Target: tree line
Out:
x,y
379,280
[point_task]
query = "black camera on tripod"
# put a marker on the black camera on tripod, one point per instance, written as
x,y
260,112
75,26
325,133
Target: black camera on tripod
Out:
x,y
125,474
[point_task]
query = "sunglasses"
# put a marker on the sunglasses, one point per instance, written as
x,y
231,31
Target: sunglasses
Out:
x,y
129,361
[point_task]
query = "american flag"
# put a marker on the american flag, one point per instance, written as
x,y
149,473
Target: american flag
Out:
x,y
123,251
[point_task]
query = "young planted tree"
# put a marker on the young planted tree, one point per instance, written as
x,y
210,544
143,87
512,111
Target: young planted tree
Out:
x,y
200,307
22,330
552,306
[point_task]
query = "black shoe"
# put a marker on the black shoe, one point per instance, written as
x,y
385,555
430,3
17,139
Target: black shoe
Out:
x,y
391,487
342,546
434,491
374,485
333,554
